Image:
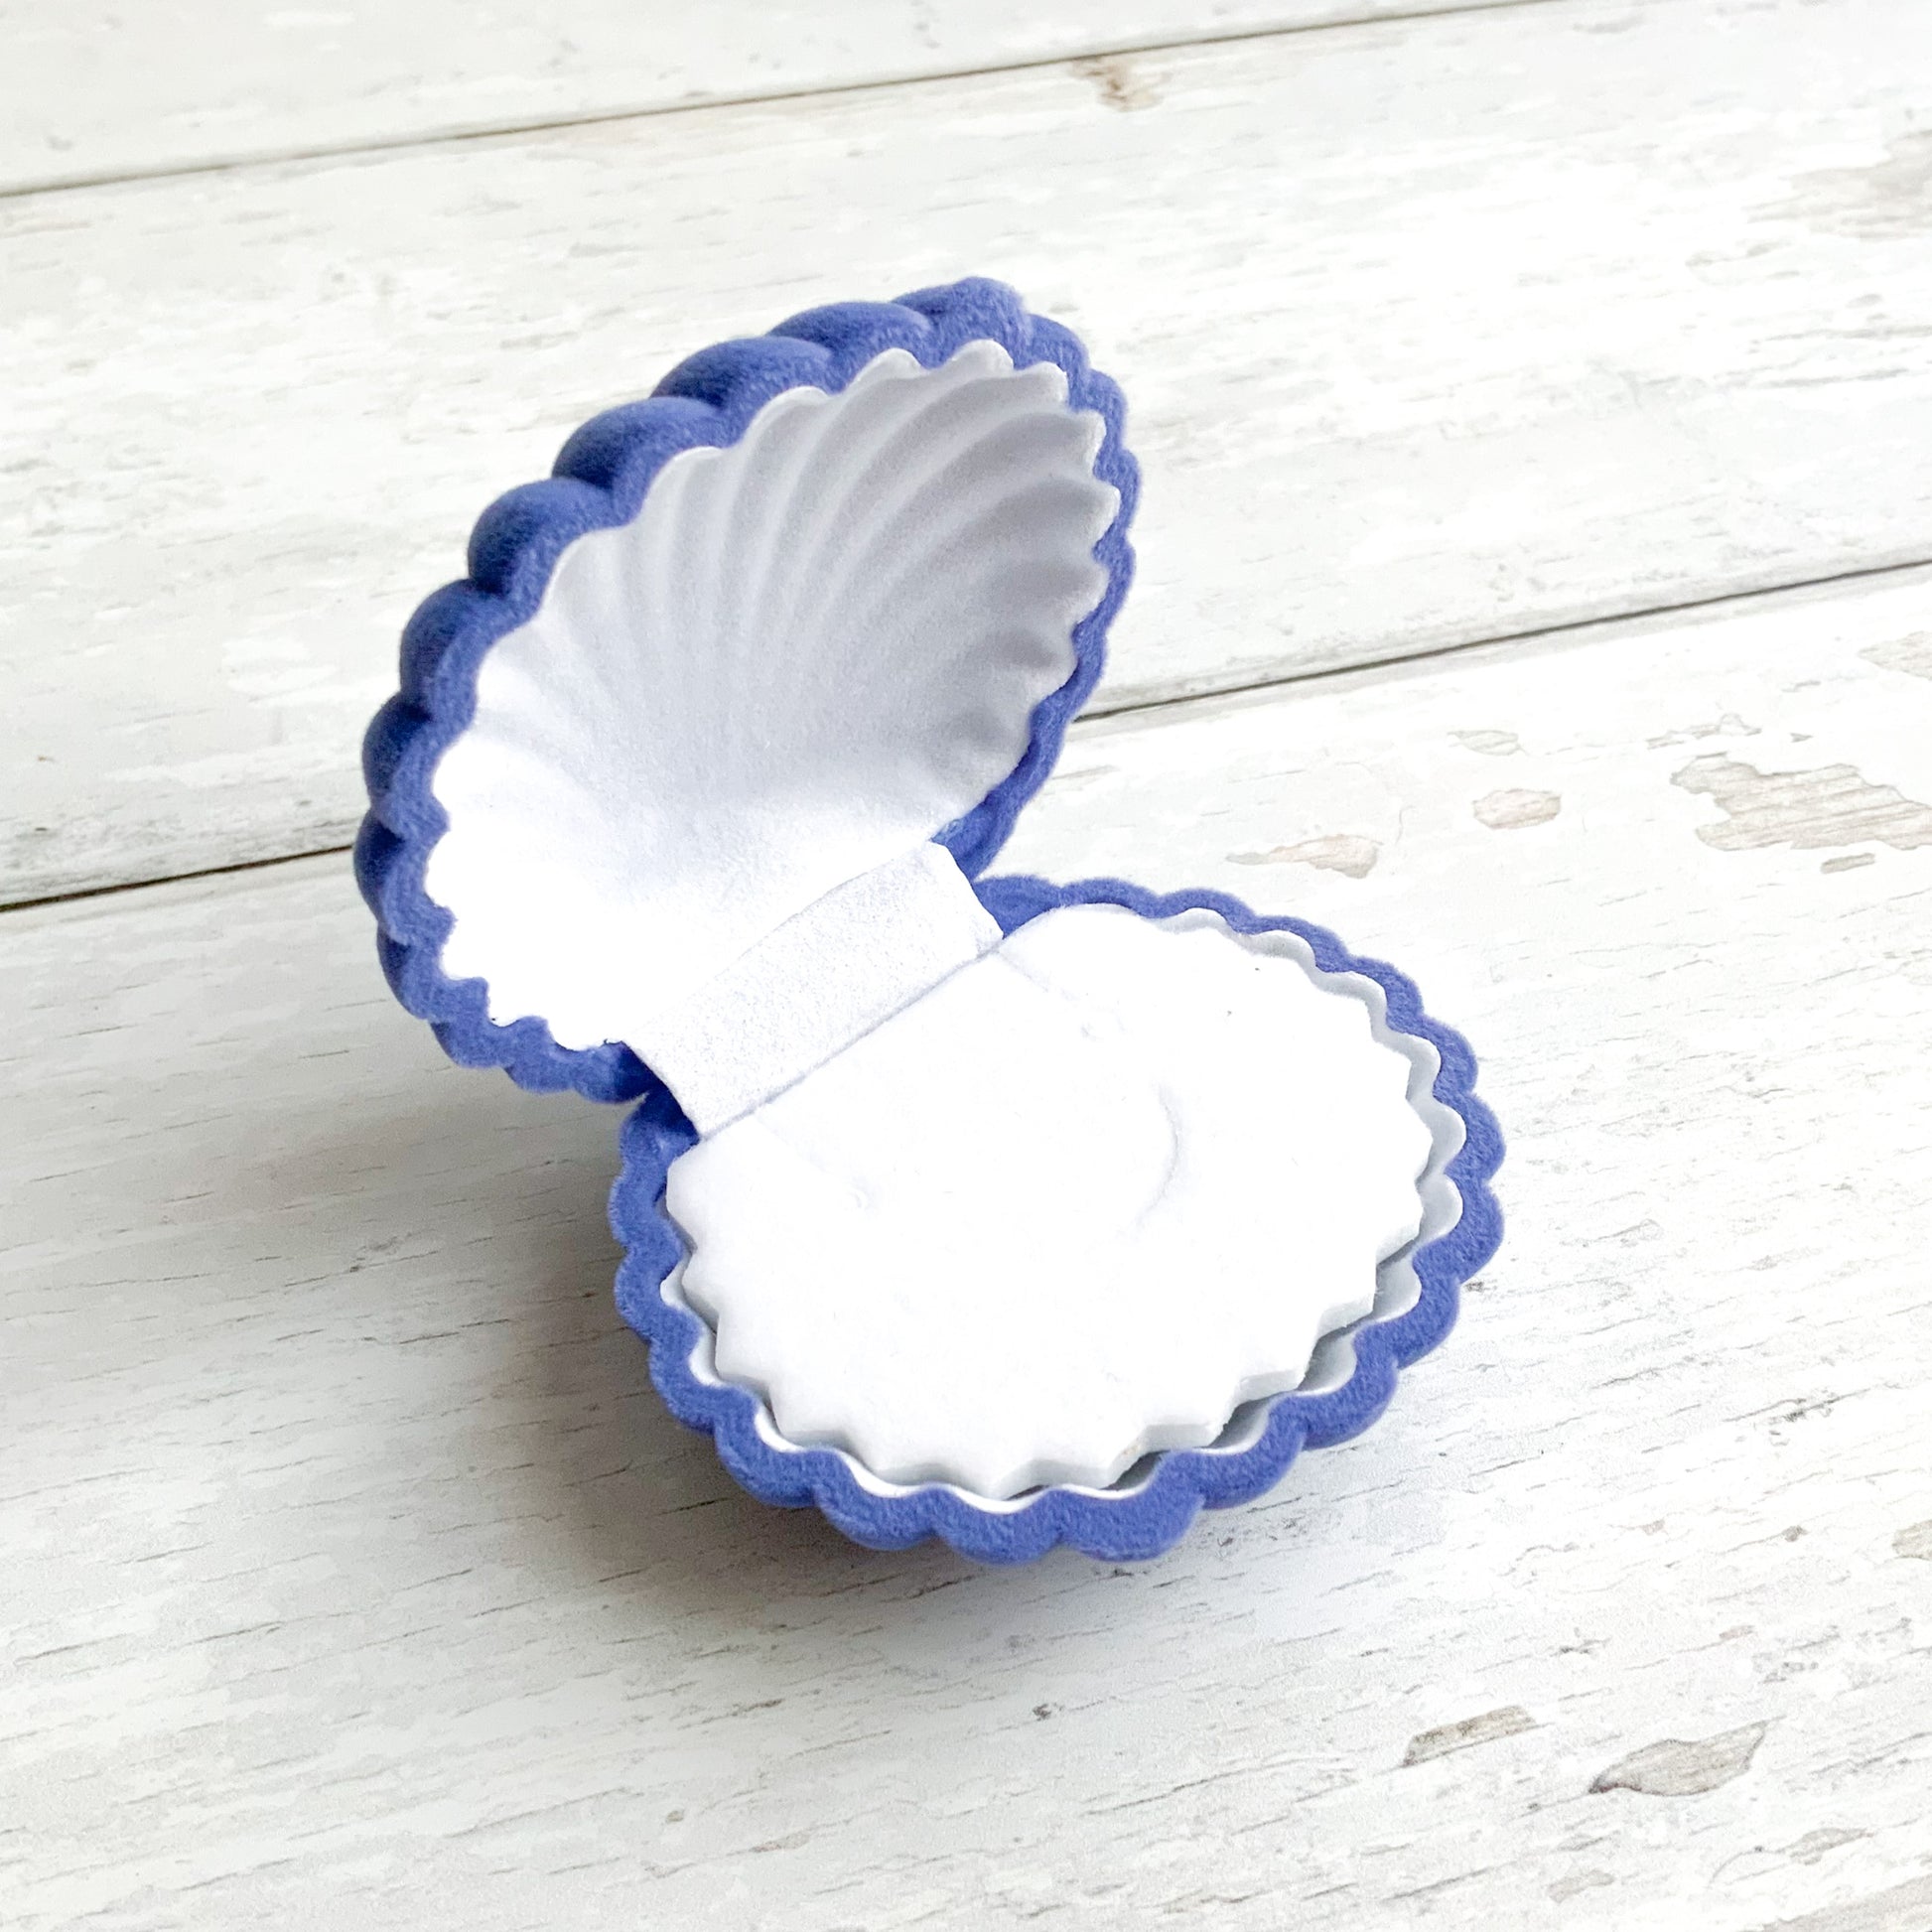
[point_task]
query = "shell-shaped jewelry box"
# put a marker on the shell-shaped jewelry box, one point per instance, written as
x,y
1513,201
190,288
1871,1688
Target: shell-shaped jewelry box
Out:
x,y
1005,1211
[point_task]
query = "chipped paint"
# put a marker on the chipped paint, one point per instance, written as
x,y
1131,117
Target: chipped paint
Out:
x,y
1121,83
1579,1881
1914,1541
1677,1767
1912,654
1508,811
1343,852
1833,805
1469,1732
1891,197
1898,1908
1492,744
1728,726
1828,1838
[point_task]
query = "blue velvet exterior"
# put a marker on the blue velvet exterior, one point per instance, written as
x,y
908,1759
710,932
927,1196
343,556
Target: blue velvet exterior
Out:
x,y
600,482
1116,1526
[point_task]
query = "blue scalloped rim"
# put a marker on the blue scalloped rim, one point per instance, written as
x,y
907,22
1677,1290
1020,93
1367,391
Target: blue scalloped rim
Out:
x,y
600,480
1130,1524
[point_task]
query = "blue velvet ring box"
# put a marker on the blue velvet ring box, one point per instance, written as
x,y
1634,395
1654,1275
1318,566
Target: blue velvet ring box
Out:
x,y
987,1208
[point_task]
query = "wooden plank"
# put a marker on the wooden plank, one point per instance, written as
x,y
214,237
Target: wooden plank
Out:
x,y
353,1560
90,93
1436,329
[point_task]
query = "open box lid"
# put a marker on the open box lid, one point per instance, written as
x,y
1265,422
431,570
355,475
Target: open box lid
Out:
x,y
745,693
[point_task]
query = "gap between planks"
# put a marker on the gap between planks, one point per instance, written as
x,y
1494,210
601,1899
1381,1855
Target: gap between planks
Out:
x,y
483,130
1581,635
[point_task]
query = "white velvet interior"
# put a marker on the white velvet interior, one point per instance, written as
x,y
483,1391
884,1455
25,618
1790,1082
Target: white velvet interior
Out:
x,y
1082,1202
808,654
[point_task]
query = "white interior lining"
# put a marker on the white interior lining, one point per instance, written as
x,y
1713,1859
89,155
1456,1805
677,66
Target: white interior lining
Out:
x,y
1079,1203
1396,1285
806,654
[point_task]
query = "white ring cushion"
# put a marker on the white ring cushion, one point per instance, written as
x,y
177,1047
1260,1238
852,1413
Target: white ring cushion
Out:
x,y
990,1213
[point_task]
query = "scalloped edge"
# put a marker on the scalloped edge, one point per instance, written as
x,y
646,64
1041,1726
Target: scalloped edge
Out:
x,y
600,482
1133,1524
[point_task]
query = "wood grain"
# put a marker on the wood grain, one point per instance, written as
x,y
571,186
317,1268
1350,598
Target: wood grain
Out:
x,y
1435,329
91,92
358,1577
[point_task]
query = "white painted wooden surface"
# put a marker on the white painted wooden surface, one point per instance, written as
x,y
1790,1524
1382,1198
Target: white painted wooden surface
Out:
x,y
1437,329
357,1577
92,92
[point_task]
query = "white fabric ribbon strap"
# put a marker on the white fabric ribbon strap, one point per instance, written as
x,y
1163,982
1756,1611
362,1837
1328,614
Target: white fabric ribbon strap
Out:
x,y
824,978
